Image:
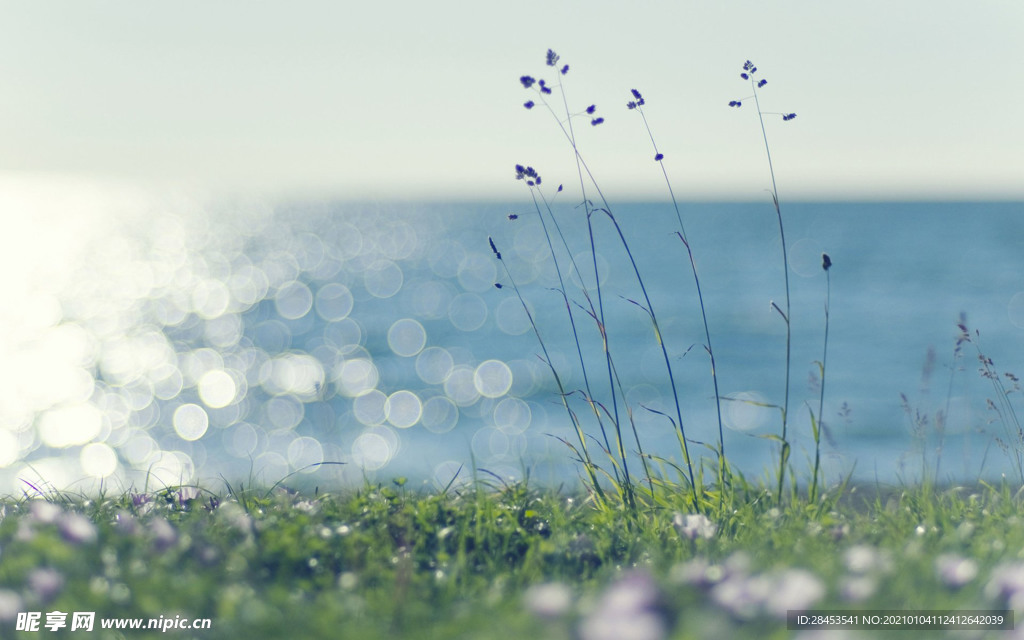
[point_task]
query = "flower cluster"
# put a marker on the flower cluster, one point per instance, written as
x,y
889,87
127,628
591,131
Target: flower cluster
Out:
x,y
748,74
527,173
542,87
694,526
638,102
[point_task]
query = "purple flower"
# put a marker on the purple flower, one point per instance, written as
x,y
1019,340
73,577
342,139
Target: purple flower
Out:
x,y
528,104
658,157
552,58
565,70
45,584
1007,585
735,103
761,83
744,76
76,528
789,116
596,121
629,609
527,81
591,109
164,534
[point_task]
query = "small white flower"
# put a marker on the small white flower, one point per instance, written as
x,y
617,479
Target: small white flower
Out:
x,y
628,610
857,588
551,600
794,589
955,571
10,605
693,526
44,512
864,558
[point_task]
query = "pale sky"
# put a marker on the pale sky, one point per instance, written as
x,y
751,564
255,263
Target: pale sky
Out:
x,y
411,99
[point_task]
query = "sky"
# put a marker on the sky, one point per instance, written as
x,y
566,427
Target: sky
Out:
x,y
421,100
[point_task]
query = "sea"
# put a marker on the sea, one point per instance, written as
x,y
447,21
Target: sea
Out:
x,y
328,344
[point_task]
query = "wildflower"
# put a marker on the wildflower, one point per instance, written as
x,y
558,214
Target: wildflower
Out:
x,y
658,157
515,216
552,58
591,109
45,583
528,104
494,249
565,70
498,285
125,523
735,103
761,83
164,534
857,588
527,81
1007,585
862,559
826,261
748,597
694,526
43,512
741,595
527,172
10,605
629,609
796,590
551,600
596,121
955,571
744,76
76,528
788,116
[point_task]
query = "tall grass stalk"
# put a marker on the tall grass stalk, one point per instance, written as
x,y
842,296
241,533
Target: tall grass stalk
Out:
x,y
582,453
586,177
749,72
637,104
1013,445
818,425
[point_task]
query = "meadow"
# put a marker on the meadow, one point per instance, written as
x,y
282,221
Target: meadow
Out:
x,y
647,544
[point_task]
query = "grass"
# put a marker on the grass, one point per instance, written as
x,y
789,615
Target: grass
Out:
x,y
611,410
499,562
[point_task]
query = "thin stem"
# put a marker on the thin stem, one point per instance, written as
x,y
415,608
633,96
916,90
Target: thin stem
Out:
x,y
821,396
700,298
784,456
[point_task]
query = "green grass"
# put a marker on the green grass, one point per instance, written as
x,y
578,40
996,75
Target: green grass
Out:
x,y
387,562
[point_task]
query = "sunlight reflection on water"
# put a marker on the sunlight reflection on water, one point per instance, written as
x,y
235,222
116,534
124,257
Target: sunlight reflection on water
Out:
x,y
157,341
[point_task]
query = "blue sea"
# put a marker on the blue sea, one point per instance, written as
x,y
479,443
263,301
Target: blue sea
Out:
x,y
250,342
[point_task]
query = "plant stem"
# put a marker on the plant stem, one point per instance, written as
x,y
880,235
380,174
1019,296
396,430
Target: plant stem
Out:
x,y
784,455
